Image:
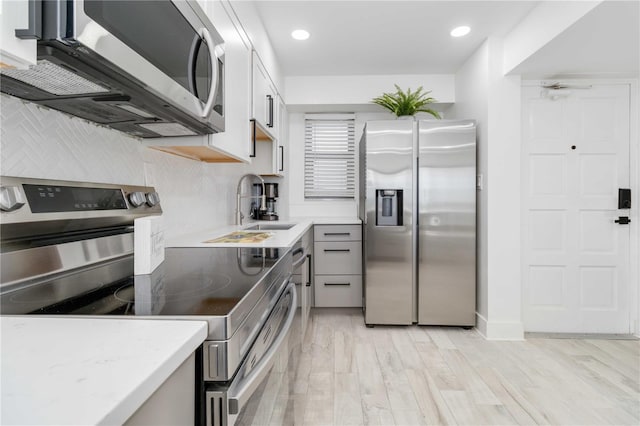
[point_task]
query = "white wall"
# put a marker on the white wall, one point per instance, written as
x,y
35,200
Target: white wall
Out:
x,y
635,238
301,207
503,183
298,205
483,93
42,143
344,94
545,22
349,93
472,91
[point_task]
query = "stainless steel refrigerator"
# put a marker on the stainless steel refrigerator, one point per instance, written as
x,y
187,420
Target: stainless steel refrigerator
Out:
x,y
418,207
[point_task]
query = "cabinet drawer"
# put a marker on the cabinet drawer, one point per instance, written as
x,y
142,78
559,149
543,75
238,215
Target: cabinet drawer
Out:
x,y
338,232
338,258
340,291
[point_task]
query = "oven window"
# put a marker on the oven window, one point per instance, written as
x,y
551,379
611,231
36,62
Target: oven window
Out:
x,y
158,32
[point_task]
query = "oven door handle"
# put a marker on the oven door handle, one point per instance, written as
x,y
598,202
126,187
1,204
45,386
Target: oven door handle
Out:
x,y
240,392
301,259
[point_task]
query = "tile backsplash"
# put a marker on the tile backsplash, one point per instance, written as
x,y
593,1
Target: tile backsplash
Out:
x,y
42,143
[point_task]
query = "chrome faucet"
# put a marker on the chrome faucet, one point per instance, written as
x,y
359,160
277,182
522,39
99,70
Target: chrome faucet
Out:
x,y
239,197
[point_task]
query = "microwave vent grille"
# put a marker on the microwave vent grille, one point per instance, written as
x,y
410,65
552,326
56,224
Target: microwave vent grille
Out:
x,y
54,79
168,129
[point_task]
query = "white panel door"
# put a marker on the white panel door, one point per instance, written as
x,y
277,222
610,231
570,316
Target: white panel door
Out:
x,y
575,257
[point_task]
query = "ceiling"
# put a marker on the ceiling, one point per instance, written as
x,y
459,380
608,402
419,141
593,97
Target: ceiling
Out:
x,y
382,37
412,37
605,42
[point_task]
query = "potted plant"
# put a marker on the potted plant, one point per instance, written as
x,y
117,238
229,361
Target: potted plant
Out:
x,y
406,103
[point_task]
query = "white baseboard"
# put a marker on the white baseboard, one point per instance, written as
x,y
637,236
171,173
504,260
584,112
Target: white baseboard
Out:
x,y
481,325
499,330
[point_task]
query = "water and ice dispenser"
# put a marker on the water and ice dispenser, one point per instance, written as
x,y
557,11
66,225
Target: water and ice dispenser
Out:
x,y
389,207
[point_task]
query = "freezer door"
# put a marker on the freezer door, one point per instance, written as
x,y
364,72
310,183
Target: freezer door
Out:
x,y
447,222
388,147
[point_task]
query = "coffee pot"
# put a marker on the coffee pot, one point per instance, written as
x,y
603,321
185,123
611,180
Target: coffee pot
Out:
x,y
270,213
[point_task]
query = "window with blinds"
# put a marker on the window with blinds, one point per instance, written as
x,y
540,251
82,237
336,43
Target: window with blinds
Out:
x,y
329,158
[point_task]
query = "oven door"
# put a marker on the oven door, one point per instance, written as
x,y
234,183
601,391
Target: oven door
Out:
x,y
263,380
184,66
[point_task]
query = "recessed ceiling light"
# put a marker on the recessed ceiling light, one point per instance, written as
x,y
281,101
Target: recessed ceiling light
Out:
x,y
460,31
300,34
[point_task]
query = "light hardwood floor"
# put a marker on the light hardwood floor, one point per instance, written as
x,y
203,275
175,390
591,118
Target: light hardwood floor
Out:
x,y
349,374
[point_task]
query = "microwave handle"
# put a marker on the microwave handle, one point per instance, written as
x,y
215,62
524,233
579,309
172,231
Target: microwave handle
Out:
x,y
208,106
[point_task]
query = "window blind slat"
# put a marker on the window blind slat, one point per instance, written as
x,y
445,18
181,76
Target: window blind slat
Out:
x,y
329,158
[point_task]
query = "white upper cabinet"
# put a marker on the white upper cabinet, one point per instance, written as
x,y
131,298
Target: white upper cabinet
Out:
x,y
237,135
283,137
16,52
264,108
271,153
269,115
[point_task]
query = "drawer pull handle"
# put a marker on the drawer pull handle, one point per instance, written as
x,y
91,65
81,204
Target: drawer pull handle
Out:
x,y
347,284
337,233
337,250
253,137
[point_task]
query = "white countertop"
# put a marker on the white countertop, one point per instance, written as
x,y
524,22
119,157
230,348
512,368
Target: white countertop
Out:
x,y
338,220
278,238
87,371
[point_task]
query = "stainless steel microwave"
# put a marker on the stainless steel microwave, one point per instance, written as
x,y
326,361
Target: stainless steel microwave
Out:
x,y
150,68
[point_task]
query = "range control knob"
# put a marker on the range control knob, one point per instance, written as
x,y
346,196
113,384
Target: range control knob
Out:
x,y
137,198
10,198
153,199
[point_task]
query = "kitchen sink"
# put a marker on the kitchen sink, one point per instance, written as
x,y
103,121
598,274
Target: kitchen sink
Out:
x,y
271,226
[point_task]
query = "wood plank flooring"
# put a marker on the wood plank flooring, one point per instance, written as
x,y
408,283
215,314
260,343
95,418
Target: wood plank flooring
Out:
x,y
352,375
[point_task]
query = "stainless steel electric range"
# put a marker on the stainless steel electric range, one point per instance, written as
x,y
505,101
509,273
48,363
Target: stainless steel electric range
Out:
x,y
66,248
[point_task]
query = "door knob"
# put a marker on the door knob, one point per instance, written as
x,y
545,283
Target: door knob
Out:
x,y
623,220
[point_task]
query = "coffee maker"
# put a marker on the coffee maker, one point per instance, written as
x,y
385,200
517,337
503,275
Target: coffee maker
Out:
x,y
270,213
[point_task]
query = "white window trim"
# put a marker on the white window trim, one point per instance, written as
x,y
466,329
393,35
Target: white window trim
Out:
x,y
336,169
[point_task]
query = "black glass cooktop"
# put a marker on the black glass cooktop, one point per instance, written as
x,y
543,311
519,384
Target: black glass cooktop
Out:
x,y
190,281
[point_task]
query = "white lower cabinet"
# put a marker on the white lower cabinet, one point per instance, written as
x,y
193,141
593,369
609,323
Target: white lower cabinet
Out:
x,y
338,265
338,258
338,290
172,403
